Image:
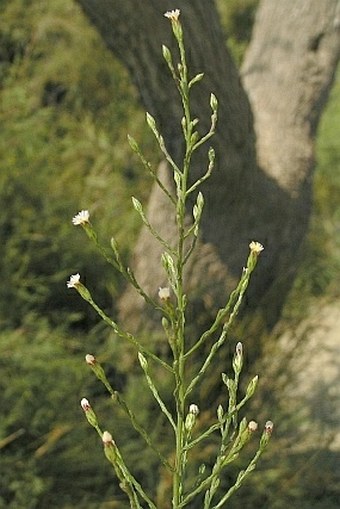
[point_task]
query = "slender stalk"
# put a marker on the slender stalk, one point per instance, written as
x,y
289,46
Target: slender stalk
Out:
x,y
120,332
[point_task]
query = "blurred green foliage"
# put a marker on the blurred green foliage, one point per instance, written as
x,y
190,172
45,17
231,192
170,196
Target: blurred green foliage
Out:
x,y
66,106
237,17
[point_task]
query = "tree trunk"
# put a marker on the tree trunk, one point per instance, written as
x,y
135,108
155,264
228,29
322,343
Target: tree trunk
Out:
x,y
261,186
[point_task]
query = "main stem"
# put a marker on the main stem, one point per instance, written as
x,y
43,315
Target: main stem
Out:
x,y
179,364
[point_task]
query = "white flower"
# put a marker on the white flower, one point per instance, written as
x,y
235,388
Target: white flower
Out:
x,y
85,404
252,426
239,349
107,438
81,218
173,15
74,281
193,409
164,293
268,427
256,247
90,359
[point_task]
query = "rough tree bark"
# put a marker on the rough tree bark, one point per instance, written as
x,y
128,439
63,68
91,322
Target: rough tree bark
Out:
x,y
261,188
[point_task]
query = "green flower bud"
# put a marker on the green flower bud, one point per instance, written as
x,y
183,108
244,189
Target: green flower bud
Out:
x,y
191,418
213,102
167,55
252,386
89,413
142,360
109,447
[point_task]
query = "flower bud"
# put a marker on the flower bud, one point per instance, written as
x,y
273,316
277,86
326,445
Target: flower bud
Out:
x,y
268,427
267,433
164,294
90,359
142,360
213,102
89,413
239,349
165,324
110,448
220,413
252,386
151,122
238,358
85,404
167,55
191,417
252,426
107,438
193,409
133,144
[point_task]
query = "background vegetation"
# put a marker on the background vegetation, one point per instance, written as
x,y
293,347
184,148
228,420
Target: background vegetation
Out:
x,y
65,108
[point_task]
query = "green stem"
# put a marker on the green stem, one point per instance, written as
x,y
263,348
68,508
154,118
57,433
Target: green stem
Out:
x,y
125,335
179,362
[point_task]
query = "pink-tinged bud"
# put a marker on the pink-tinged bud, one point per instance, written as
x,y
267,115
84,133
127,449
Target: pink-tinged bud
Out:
x,y
107,438
85,405
266,435
252,426
89,413
90,359
268,427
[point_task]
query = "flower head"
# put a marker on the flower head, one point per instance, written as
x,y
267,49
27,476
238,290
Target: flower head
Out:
x,y
81,218
239,349
268,427
252,426
191,417
164,293
85,404
256,247
107,438
90,359
173,15
74,281
193,409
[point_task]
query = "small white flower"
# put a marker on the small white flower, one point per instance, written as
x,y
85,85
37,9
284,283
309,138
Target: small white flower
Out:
x,y
107,438
173,15
252,426
239,349
268,427
74,281
90,359
193,409
256,247
164,293
81,218
85,404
